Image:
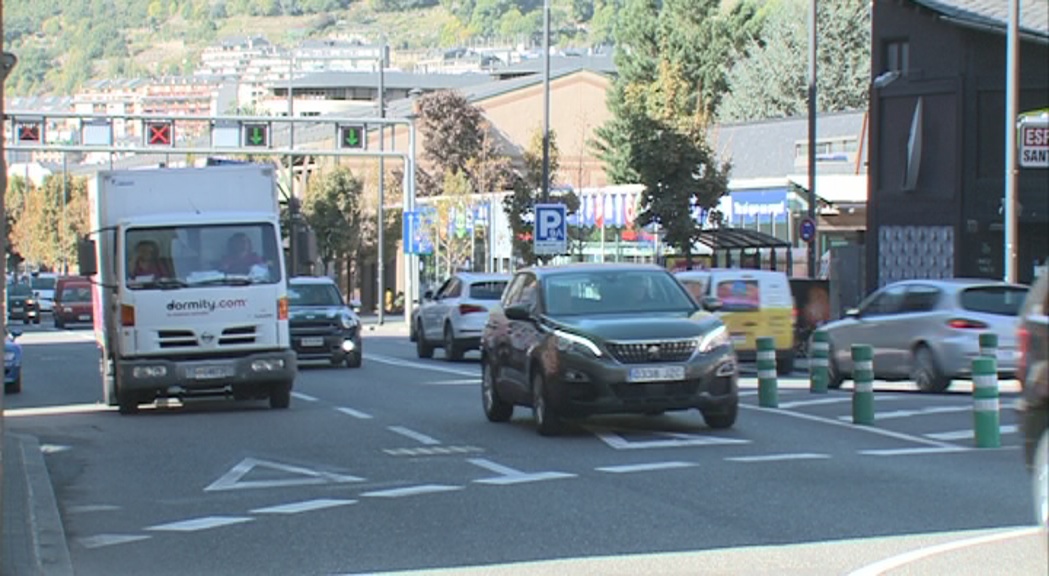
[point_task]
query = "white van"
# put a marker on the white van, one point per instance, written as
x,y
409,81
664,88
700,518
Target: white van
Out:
x,y
43,285
754,303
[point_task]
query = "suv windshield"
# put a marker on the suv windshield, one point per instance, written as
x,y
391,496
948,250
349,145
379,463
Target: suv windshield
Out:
x,y
178,256
1000,300
19,290
615,292
314,295
42,283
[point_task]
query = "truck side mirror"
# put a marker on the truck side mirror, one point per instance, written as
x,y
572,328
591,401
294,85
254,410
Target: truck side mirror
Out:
x,y
86,258
306,248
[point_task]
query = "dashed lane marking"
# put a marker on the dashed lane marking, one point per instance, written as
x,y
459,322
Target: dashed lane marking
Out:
x,y
646,467
411,491
304,397
307,506
418,436
204,523
436,450
778,457
103,540
354,413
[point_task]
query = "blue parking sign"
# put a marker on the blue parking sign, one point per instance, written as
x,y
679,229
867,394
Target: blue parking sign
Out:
x,y
551,229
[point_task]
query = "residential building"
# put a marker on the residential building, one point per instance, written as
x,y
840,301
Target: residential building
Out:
x,y
937,140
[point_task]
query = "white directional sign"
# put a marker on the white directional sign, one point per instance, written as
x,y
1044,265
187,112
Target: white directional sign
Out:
x,y
551,229
96,133
225,135
1034,141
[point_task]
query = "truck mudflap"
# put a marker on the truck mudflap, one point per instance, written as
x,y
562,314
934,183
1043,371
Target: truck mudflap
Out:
x,y
206,375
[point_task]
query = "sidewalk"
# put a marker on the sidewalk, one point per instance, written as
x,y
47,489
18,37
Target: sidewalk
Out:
x,y
393,324
34,541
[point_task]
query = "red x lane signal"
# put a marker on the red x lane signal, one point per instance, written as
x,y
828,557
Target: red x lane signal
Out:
x,y
158,133
29,132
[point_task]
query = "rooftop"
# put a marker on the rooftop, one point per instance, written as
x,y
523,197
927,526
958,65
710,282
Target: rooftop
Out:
x,y
1033,14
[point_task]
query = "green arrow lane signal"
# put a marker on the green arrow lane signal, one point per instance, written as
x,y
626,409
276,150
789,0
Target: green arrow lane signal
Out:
x,y
256,135
351,137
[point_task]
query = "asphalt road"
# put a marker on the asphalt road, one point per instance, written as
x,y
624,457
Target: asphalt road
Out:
x,y
393,467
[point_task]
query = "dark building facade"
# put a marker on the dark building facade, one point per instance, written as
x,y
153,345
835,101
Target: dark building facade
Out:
x,y
937,140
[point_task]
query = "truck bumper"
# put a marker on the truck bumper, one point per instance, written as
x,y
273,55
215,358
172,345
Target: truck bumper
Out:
x,y
205,374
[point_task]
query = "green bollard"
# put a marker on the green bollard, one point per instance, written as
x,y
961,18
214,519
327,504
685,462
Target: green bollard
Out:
x,y
985,403
767,392
989,345
819,363
862,384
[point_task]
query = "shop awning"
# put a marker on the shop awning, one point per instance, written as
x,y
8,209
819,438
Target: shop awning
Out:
x,y
740,238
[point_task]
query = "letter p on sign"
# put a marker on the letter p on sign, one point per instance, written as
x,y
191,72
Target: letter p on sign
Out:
x,y
551,229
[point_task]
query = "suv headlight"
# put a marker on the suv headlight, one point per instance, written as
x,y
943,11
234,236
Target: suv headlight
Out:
x,y
347,321
713,339
567,341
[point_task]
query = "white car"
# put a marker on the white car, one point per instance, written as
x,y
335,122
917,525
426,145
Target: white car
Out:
x,y
454,317
43,285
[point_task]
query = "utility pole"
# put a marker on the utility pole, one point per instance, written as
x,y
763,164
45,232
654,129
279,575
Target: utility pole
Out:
x,y
812,139
380,212
546,102
7,63
293,204
1012,105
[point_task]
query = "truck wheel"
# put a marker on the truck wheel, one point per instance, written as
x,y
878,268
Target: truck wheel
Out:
x,y
280,395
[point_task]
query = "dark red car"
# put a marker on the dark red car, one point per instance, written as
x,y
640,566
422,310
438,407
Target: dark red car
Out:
x,y
72,301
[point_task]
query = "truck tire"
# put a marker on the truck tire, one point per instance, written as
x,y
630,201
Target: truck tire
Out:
x,y
280,396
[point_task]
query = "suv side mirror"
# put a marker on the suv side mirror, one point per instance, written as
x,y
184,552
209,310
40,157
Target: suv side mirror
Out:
x,y
87,260
518,312
711,303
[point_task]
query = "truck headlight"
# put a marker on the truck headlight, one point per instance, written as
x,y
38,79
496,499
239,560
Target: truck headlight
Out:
x,y
267,365
149,371
713,339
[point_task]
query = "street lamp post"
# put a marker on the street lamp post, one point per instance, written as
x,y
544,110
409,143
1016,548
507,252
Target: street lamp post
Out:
x,y
380,212
546,102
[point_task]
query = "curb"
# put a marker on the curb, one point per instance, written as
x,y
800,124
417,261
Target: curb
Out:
x,y
47,548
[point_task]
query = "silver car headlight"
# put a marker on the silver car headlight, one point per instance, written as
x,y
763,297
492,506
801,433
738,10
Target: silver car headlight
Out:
x,y
567,341
347,321
717,337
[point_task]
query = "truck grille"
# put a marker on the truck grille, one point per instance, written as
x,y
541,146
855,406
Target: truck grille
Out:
x,y
234,336
643,352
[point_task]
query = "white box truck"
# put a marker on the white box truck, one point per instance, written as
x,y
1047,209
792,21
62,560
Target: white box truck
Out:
x,y
190,286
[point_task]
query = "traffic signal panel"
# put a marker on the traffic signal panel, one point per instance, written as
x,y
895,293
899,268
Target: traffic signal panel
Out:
x,y
354,137
159,134
256,135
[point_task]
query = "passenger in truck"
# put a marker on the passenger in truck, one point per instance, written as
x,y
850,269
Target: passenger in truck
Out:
x,y
147,262
240,257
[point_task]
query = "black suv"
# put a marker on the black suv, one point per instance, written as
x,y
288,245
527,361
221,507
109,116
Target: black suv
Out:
x,y
584,339
322,325
1033,373
22,304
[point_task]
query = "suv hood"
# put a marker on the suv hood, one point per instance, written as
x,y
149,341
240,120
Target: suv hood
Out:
x,y
317,312
652,326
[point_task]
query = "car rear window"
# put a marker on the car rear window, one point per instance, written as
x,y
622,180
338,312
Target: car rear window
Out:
x,y
487,290
1000,300
739,295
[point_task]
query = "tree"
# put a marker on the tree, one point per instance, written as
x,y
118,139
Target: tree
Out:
x,y
333,209
453,236
842,63
41,232
451,129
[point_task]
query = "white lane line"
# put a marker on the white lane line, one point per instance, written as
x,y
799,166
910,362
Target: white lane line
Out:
x,y
509,476
418,436
675,440
432,451
910,451
894,562
454,382
111,539
868,429
92,508
645,467
307,506
53,448
411,491
920,412
354,413
200,523
817,402
779,457
969,434
56,410
303,397
493,467
392,361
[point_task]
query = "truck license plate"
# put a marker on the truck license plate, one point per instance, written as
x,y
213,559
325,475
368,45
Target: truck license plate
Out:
x,y
16,308
212,372
313,342
85,317
657,374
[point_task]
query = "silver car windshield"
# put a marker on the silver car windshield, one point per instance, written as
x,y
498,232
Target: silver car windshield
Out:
x,y
615,292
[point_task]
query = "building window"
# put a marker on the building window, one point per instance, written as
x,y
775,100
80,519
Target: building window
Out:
x,y
897,56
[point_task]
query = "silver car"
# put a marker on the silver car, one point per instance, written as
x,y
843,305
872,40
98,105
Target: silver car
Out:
x,y
928,330
454,317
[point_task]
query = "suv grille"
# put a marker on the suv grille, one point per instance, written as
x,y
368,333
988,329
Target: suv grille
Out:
x,y
643,352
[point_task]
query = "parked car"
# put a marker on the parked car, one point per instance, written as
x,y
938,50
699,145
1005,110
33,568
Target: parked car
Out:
x,y
43,285
12,363
454,317
754,303
72,301
928,330
584,339
1033,373
322,324
22,304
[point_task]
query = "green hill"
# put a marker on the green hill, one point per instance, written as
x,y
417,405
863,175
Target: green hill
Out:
x,y
63,44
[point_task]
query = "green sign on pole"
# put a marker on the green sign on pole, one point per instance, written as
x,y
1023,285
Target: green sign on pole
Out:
x,y
353,137
256,135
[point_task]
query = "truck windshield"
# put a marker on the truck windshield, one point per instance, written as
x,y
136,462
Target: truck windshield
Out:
x,y
220,255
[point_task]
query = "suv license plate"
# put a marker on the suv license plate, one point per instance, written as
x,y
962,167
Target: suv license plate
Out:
x,y
313,342
657,374
85,317
212,372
